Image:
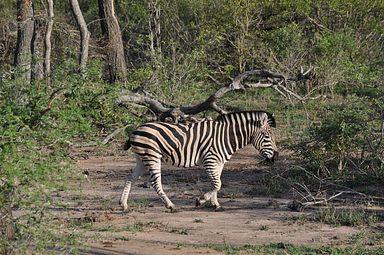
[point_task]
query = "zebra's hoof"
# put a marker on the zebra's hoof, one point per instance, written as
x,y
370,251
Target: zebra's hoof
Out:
x,y
197,202
124,208
219,209
174,210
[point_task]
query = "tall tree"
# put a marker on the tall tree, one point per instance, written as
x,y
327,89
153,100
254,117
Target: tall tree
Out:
x,y
37,50
84,35
48,46
117,67
154,25
25,27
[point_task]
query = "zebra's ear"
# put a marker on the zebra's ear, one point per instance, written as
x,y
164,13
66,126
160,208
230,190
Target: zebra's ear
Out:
x,y
263,121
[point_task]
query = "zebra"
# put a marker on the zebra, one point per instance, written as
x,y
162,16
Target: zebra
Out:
x,y
210,143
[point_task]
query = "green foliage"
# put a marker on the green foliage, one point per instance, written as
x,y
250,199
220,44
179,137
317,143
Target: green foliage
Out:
x,y
348,137
366,238
33,164
37,125
285,40
344,217
264,228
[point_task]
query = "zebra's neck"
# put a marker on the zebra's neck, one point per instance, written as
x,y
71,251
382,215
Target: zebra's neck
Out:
x,y
233,133
240,131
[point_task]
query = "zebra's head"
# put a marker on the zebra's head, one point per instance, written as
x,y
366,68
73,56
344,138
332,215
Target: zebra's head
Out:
x,y
263,139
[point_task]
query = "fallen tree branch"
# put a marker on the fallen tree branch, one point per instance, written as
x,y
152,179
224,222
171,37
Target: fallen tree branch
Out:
x,y
153,104
319,198
266,79
39,115
300,205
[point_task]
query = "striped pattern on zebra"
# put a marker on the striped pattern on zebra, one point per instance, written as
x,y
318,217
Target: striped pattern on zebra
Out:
x,y
210,143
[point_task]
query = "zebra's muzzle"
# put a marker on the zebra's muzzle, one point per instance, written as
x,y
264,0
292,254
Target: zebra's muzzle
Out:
x,y
273,158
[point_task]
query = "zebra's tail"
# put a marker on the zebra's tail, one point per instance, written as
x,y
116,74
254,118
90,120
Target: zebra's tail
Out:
x,y
127,145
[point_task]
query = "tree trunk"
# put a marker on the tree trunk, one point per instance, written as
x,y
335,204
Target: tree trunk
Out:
x,y
154,25
117,67
25,25
7,229
48,46
38,49
84,35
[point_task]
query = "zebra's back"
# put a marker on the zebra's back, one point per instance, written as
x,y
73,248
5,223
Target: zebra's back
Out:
x,y
178,144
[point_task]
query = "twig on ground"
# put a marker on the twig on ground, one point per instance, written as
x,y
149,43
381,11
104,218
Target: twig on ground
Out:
x,y
113,134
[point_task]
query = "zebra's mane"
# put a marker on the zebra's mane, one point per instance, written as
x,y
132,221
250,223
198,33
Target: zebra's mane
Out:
x,y
271,117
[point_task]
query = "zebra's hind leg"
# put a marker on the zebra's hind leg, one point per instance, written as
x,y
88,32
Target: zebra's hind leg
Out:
x,y
137,171
155,174
214,174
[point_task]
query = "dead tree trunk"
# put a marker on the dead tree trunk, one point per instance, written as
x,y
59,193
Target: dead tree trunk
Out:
x,y
23,54
84,35
48,46
117,67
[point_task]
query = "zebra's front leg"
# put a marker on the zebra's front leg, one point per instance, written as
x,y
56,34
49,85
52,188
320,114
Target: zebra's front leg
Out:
x,y
214,174
137,171
155,173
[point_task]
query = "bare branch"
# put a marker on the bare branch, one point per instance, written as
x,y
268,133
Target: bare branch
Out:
x,y
317,24
215,80
265,79
215,107
56,94
153,104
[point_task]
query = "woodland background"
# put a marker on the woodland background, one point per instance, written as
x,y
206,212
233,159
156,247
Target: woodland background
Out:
x,y
64,65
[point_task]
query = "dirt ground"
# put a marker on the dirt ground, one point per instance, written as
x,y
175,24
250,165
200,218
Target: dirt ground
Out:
x,y
148,228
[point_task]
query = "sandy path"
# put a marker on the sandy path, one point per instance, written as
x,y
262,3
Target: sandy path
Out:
x,y
150,228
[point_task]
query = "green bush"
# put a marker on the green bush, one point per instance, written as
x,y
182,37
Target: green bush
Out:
x,y
347,139
32,166
37,126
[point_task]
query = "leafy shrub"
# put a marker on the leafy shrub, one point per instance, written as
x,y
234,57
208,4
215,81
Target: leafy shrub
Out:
x,y
32,166
349,137
37,125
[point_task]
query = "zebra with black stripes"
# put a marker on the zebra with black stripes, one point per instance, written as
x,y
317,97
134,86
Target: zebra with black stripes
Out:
x,y
210,143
